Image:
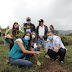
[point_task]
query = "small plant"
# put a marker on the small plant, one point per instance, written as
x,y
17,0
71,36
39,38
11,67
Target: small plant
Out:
x,y
42,56
22,28
20,33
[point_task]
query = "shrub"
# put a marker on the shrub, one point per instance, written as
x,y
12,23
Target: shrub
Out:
x,y
64,40
41,56
1,40
67,40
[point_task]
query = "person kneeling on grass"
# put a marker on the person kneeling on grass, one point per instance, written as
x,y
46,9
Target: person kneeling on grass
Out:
x,y
34,42
55,47
19,49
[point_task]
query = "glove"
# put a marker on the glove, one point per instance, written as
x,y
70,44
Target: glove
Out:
x,y
38,63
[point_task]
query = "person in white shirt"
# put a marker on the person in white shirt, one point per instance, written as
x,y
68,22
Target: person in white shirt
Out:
x,y
55,47
41,33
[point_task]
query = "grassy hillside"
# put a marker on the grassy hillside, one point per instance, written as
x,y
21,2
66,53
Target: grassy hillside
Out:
x,y
48,66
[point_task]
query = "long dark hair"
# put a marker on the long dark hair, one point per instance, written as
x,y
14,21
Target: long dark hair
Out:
x,y
15,31
29,41
52,27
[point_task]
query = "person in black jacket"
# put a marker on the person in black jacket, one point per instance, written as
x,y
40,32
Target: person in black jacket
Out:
x,y
42,33
0,33
29,26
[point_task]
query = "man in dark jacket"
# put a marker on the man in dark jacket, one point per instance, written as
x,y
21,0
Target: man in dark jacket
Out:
x,y
29,26
41,32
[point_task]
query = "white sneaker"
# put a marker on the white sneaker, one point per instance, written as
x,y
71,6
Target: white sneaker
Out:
x,y
62,62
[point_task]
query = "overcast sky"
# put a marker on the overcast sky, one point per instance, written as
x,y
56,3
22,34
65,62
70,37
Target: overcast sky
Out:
x,y
56,12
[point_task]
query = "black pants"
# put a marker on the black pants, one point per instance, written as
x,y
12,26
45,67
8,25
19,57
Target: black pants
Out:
x,y
11,42
54,55
0,34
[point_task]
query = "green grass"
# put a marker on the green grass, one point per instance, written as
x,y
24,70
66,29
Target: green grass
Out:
x,y
68,57
5,67
1,40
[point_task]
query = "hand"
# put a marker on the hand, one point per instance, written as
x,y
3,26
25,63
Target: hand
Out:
x,y
38,52
41,37
55,49
38,63
39,46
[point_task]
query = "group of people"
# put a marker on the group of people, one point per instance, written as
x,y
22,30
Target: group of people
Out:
x,y
31,42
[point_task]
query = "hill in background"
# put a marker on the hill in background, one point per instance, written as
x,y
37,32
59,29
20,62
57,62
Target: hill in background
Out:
x,y
61,32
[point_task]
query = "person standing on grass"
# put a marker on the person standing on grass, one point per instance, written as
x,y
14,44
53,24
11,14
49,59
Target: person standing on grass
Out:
x,y
29,26
15,29
21,47
10,34
55,47
41,33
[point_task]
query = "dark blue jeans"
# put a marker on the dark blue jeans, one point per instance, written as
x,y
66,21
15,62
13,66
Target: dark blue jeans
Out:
x,y
20,62
42,43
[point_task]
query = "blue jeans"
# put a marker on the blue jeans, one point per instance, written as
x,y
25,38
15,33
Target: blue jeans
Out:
x,y
41,42
20,62
36,49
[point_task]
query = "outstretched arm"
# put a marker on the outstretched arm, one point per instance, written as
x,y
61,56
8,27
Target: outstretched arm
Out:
x,y
34,54
26,51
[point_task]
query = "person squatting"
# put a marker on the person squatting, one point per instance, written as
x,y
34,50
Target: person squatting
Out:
x,y
21,49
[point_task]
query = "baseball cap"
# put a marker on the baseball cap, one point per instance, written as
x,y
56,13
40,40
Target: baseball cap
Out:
x,y
41,20
28,19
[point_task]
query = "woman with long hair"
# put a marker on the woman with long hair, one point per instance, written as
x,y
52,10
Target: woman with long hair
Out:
x,y
34,41
52,29
10,35
20,48
15,29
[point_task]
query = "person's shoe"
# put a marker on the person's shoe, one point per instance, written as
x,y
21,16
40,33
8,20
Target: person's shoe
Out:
x,y
54,59
61,62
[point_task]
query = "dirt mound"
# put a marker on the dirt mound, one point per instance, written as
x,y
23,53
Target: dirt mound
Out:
x,y
52,66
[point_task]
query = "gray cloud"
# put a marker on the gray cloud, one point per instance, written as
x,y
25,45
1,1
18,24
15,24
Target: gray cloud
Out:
x,y
56,12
